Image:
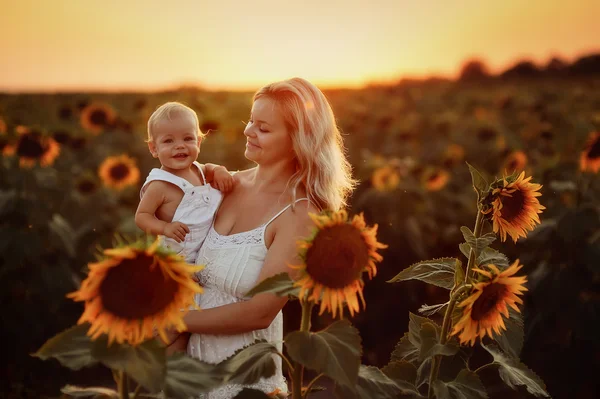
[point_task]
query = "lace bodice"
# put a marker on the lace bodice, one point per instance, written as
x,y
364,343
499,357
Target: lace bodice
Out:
x,y
232,265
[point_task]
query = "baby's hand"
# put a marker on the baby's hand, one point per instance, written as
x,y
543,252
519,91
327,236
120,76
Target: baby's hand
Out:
x,y
176,231
222,180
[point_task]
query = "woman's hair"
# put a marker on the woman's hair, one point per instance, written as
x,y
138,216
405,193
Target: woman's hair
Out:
x,y
322,165
169,111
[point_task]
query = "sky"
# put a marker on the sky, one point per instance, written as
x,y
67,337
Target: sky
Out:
x,y
53,45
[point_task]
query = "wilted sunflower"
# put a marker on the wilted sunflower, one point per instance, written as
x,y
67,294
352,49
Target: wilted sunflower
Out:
x,y
31,148
435,179
590,157
119,172
385,179
96,117
134,290
334,259
515,161
514,206
488,301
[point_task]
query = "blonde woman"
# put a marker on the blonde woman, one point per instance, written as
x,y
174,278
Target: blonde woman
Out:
x,y
300,168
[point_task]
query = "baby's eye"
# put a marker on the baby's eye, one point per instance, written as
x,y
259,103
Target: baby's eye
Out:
x,y
168,141
189,139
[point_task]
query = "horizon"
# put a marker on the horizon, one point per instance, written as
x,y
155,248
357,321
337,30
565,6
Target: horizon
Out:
x,y
70,46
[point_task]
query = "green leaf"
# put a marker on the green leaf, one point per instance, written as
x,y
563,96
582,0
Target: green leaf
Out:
x,y
372,383
187,377
511,340
72,348
334,351
405,350
401,370
480,185
250,364
490,255
414,328
249,393
96,392
145,363
429,310
515,373
280,284
478,244
439,272
459,274
465,249
467,385
430,345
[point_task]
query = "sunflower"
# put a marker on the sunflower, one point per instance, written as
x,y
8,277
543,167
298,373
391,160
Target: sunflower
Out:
x,y
435,179
86,185
515,161
488,301
135,290
334,259
590,156
31,148
96,117
119,172
453,155
385,179
513,206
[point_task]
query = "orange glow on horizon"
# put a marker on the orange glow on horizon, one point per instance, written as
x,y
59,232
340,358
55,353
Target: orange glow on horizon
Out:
x,y
149,45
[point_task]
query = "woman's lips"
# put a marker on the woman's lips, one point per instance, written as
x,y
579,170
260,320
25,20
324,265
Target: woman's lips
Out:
x,y
249,144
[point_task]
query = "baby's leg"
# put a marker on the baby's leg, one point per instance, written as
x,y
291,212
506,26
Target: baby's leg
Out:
x,y
180,344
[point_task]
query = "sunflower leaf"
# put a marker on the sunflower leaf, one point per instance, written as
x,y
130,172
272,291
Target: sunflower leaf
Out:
x,y
373,383
334,351
429,310
405,350
72,348
467,385
280,284
465,249
511,340
491,256
480,185
430,345
459,274
438,272
401,370
145,363
515,373
81,392
415,323
478,244
250,364
188,377
249,393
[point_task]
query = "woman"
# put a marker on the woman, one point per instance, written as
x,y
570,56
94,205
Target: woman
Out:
x,y
300,168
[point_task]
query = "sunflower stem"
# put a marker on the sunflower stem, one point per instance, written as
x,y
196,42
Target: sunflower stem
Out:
x,y
310,384
476,233
298,369
123,386
436,360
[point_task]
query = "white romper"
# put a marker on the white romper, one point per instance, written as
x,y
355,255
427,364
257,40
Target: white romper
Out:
x,y
196,210
233,264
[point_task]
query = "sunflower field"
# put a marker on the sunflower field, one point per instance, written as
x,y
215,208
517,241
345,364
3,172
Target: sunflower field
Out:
x,y
72,165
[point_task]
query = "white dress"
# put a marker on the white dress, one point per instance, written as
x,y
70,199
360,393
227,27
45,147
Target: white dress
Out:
x,y
197,210
232,265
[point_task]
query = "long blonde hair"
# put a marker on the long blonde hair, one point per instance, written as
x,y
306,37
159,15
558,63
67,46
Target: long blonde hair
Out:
x,y
322,167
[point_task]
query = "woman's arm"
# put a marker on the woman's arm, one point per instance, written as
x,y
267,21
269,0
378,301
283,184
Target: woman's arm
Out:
x,y
258,312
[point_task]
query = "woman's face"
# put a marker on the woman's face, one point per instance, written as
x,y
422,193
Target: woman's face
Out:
x,y
267,138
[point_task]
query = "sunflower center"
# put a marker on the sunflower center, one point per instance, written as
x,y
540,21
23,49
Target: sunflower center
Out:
x,y
595,149
133,290
513,206
86,186
30,147
119,172
487,300
338,256
98,117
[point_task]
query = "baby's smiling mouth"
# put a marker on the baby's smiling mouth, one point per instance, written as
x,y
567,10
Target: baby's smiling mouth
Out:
x,y
180,155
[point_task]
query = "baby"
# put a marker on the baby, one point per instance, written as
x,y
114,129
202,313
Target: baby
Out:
x,y
177,200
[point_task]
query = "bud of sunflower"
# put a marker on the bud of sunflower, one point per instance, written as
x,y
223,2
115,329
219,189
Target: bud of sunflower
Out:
x,y
334,259
512,206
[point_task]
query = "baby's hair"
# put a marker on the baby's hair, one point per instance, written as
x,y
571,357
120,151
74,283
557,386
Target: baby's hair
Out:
x,y
169,111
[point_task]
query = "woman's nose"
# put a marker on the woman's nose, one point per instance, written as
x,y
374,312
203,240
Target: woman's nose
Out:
x,y
249,131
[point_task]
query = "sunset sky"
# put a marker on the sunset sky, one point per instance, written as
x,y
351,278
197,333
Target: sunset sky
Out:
x,y
236,44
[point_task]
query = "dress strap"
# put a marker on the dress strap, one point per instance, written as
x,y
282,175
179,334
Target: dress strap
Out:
x,y
283,210
159,174
201,172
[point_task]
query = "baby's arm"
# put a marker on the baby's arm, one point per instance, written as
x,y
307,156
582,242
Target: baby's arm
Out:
x,y
145,216
219,177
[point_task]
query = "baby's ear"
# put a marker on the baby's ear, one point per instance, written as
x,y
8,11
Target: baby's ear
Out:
x,y
152,148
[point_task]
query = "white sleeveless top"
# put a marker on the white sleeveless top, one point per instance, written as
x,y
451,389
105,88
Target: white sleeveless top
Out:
x,y
232,265
196,210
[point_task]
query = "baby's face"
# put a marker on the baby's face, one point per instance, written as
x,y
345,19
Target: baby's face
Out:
x,y
175,143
